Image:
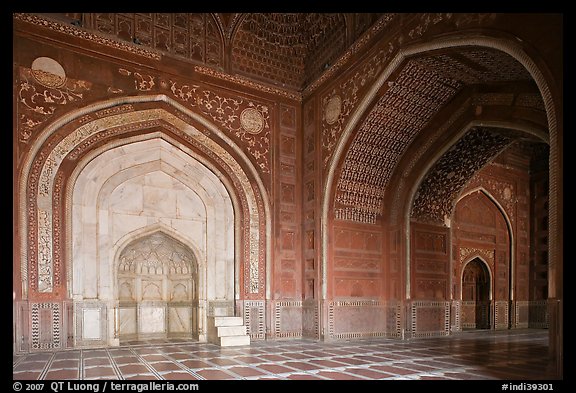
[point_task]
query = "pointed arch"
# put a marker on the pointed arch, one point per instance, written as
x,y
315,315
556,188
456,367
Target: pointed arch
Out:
x,y
506,45
243,169
477,256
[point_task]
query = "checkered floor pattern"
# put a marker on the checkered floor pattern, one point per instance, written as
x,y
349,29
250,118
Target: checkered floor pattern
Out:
x,y
473,355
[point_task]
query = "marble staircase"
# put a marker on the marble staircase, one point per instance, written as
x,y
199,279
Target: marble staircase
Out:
x,y
227,331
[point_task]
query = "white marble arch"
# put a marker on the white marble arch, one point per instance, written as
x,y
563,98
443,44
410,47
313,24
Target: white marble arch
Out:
x,y
135,189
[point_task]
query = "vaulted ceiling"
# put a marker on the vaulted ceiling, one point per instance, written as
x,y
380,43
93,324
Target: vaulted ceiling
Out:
x,y
292,50
421,88
289,50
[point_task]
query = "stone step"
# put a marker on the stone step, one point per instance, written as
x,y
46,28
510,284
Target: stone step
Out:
x,y
224,331
228,321
232,341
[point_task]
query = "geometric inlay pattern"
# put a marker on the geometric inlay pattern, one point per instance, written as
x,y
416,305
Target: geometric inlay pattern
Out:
x,y
45,325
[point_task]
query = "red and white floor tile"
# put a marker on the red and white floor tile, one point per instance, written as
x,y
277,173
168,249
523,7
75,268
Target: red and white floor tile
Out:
x,y
477,355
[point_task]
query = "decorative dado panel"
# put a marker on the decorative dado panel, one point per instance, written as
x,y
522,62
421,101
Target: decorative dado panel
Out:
x,y
91,323
310,323
538,316
364,318
254,312
521,314
501,314
430,318
356,319
46,329
456,316
288,319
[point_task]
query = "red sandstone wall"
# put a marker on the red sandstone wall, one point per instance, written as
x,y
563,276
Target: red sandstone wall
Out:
x,y
366,270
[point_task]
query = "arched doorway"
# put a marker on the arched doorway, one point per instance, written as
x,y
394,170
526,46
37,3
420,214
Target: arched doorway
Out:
x,y
476,291
149,197
157,289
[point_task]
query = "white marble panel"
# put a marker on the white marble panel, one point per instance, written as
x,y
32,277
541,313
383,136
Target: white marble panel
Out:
x,y
127,320
152,153
123,224
151,290
159,202
159,179
189,205
152,319
91,324
194,230
138,186
179,320
128,197
180,291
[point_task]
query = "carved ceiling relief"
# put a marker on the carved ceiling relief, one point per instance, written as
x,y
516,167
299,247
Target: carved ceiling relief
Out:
x,y
339,104
194,36
411,100
285,49
288,49
424,24
422,88
438,191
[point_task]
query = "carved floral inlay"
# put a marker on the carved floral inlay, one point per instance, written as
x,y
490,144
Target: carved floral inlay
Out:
x,y
468,252
39,96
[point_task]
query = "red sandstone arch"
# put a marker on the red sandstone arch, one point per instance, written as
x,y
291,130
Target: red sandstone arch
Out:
x,y
505,44
134,115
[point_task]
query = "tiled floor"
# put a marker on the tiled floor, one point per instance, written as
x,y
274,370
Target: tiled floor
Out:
x,y
505,355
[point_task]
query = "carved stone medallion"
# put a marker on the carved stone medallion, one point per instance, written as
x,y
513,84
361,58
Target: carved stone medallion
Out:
x,y
333,109
48,72
252,120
